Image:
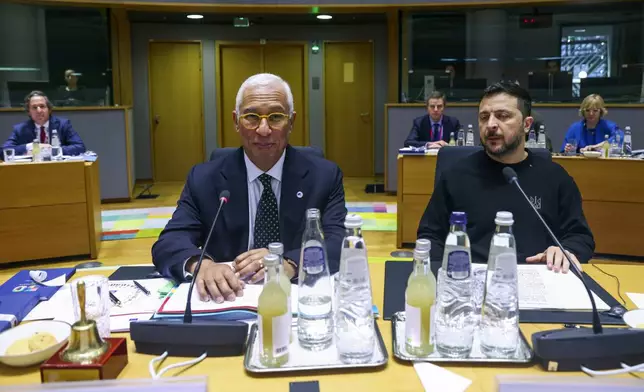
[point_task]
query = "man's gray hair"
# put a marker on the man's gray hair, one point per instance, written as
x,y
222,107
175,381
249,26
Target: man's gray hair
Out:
x,y
264,79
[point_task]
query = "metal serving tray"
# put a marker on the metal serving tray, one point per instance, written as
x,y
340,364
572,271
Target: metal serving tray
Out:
x,y
523,355
304,360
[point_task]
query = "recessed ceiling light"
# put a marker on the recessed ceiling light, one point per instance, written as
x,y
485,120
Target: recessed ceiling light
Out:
x,y
324,17
195,16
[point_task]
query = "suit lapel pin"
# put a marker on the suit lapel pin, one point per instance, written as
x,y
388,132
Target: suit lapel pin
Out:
x,y
299,194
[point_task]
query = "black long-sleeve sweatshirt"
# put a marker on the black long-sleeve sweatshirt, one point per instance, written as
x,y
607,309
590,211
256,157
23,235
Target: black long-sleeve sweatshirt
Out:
x,y
476,186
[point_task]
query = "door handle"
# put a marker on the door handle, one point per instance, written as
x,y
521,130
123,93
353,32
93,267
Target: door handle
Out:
x,y
157,118
365,114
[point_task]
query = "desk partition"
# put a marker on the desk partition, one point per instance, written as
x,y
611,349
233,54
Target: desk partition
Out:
x,y
105,130
557,118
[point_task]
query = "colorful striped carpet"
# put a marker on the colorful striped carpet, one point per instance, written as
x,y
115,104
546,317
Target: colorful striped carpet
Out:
x,y
148,222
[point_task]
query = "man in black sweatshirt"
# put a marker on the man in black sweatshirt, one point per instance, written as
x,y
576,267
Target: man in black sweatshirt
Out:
x,y
476,185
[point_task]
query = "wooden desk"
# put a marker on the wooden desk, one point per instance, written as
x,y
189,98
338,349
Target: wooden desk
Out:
x,y
49,209
226,373
611,190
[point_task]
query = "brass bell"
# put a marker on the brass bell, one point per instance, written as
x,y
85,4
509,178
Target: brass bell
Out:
x,y
85,344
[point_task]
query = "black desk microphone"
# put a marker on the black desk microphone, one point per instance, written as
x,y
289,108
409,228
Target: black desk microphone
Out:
x,y
568,349
185,338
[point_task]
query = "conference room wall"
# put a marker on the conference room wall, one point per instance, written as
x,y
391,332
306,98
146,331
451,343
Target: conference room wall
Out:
x,y
556,119
142,33
104,132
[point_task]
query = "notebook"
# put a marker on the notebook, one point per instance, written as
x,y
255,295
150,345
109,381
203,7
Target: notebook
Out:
x,y
175,303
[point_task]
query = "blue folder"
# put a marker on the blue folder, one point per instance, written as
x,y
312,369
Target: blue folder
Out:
x,y
20,294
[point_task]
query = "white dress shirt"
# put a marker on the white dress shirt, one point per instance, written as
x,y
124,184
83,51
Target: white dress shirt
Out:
x,y
255,189
46,125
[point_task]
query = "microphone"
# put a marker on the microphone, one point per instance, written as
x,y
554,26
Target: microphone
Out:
x,y
187,315
511,176
182,337
568,349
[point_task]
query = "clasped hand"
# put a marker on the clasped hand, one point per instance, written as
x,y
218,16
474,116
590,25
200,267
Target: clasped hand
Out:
x,y
221,281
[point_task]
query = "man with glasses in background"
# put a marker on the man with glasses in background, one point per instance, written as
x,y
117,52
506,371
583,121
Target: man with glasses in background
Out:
x,y
433,129
271,186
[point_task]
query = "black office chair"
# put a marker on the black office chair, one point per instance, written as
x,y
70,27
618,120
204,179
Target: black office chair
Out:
x,y
449,155
304,149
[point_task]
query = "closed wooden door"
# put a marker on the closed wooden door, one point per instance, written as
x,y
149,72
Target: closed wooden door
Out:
x,y
288,62
238,61
348,102
237,64
176,109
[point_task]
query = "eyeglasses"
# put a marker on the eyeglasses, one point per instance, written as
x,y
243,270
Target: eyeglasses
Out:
x,y
274,120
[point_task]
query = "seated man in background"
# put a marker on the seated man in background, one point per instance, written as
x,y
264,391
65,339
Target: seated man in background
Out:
x,y
271,186
40,126
433,129
71,94
590,132
476,185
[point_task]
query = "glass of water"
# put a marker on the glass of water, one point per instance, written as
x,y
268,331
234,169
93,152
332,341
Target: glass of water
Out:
x,y
97,302
573,143
56,153
478,290
9,154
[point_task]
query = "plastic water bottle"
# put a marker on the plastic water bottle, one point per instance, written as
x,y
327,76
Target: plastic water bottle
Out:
x,y
499,330
419,300
315,319
55,145
469,141
460,140
628,142
615,150
541,140
35,150
451,139
277,248
532,140
355,335
455,321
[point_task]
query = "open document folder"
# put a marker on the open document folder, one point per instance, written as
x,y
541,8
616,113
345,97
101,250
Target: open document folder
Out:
x,y
241,308
541,288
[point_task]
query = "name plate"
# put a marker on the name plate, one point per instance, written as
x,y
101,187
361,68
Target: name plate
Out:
x,y
511,383
183,384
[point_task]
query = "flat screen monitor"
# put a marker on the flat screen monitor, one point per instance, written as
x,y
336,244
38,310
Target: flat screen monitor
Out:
x,y
422,83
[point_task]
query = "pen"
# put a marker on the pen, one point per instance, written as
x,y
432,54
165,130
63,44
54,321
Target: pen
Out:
x,y
114,299
140,286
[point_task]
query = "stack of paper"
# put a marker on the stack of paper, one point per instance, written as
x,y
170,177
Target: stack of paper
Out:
x,y
176,303
541,288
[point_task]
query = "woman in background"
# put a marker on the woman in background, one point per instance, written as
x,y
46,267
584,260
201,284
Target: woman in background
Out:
x,y
589,133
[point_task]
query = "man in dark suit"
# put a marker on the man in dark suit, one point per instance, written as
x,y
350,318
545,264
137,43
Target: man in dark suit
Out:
x,y
271,186
40,126
433,129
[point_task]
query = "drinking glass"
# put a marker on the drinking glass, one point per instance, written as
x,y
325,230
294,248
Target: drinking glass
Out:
x,y
478,289
56,153
45,154
9,154
573,143
97,302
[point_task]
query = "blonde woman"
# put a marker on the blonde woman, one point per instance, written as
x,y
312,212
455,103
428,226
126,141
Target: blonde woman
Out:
x,y
589,133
